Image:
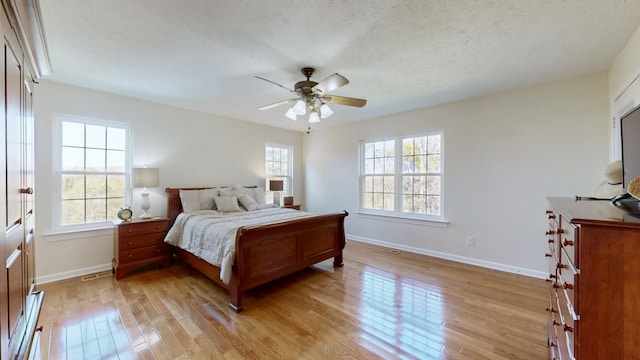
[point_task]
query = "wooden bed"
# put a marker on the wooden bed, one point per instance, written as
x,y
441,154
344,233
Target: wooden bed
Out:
x,y
268,252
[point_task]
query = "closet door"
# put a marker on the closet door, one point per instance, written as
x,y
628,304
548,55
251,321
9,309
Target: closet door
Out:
x,y
15,227
28,175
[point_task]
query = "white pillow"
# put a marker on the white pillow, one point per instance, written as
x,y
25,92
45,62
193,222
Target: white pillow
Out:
x,y
232,191
227,203
247,202
193,200
256,194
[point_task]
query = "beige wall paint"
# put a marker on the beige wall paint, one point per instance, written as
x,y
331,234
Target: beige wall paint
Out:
x,y
626,66
504,154
189,148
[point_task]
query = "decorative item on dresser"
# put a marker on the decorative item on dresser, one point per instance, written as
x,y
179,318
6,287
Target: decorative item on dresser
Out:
x,y
139,243
594,280
293,206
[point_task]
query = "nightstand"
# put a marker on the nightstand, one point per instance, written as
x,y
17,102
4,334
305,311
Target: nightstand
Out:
x,y
139,243
294,206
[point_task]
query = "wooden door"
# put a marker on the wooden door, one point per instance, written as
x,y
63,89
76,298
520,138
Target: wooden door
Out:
x,y
15,227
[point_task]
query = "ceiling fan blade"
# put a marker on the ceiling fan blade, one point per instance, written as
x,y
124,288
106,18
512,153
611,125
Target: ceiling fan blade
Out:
x,y
341,100
275,83
329,84
270,106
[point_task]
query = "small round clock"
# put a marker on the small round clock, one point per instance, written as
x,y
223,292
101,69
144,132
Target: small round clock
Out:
x,y
125,213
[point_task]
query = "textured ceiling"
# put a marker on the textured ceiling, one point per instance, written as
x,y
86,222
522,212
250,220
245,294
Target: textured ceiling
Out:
x,y
399,55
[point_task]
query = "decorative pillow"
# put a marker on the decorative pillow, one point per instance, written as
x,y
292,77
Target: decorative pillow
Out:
x,y
227,203
247,202
193,200
232,191
256,194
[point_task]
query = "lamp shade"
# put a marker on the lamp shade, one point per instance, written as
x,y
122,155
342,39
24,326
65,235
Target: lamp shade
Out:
x,y
276,185
146,177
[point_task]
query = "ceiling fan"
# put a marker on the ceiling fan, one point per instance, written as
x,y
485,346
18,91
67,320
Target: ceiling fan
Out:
x,y
313,97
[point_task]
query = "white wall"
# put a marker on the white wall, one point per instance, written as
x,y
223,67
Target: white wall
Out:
x,y
626,66
189,148
503,155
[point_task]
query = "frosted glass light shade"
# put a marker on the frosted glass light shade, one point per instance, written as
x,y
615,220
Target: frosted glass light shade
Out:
x,y
300,107
290,114
325,111
313,117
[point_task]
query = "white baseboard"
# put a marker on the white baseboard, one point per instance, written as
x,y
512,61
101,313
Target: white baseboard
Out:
x,y
453,257
72,274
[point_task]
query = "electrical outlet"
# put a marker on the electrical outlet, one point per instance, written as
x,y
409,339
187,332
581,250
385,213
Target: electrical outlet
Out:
x,y
470,241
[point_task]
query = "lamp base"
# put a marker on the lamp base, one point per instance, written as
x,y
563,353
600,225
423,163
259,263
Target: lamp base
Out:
x,y
146,205
276,198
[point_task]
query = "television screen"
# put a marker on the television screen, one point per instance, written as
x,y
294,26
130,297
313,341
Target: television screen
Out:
x,y
630,140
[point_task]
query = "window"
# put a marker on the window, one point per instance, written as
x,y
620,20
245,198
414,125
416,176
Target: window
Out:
x,y
402,176
278,160
91,165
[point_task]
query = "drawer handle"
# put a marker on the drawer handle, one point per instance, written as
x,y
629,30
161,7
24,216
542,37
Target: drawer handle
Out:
x,y
550,232
561,266
567,286
556,286
555,323
551,276
547,255
551,241
551,310
567,328
567,242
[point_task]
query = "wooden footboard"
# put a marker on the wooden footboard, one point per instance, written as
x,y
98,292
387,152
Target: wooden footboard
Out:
x,y
268,252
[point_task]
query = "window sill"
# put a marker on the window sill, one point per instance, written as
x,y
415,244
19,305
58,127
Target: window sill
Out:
x,y
440,223
79,234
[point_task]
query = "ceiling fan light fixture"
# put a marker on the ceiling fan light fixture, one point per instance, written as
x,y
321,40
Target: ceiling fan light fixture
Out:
x,y
300,107
325,111
291,114
313,117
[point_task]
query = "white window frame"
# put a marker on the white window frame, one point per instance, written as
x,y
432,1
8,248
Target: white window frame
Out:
x,y
397,214
56,217
288,177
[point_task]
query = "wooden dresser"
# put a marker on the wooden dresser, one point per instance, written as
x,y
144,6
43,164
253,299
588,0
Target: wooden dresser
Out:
x,y
140,243
594,280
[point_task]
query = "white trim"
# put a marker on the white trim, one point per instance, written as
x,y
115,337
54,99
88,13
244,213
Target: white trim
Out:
x,y
441,223
58,118
78,235
71,274
398,176
457,258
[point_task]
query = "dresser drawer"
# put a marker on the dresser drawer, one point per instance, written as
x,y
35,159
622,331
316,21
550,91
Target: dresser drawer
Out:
x,y
136,229
133,242
128,256
569,242
565,338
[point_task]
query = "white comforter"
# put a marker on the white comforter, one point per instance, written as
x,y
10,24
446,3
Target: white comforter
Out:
x,y
211,235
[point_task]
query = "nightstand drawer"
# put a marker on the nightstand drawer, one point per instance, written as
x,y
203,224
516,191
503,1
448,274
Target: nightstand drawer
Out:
x,y
131,242
145,253
135,229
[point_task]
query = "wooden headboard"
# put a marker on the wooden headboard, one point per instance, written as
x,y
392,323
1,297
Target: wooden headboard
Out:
x,y
174,205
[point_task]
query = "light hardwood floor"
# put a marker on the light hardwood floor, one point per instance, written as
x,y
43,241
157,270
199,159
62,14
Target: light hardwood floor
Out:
x,y
384,304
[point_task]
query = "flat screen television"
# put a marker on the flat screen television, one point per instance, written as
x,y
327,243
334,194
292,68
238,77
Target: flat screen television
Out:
x,y
630,142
